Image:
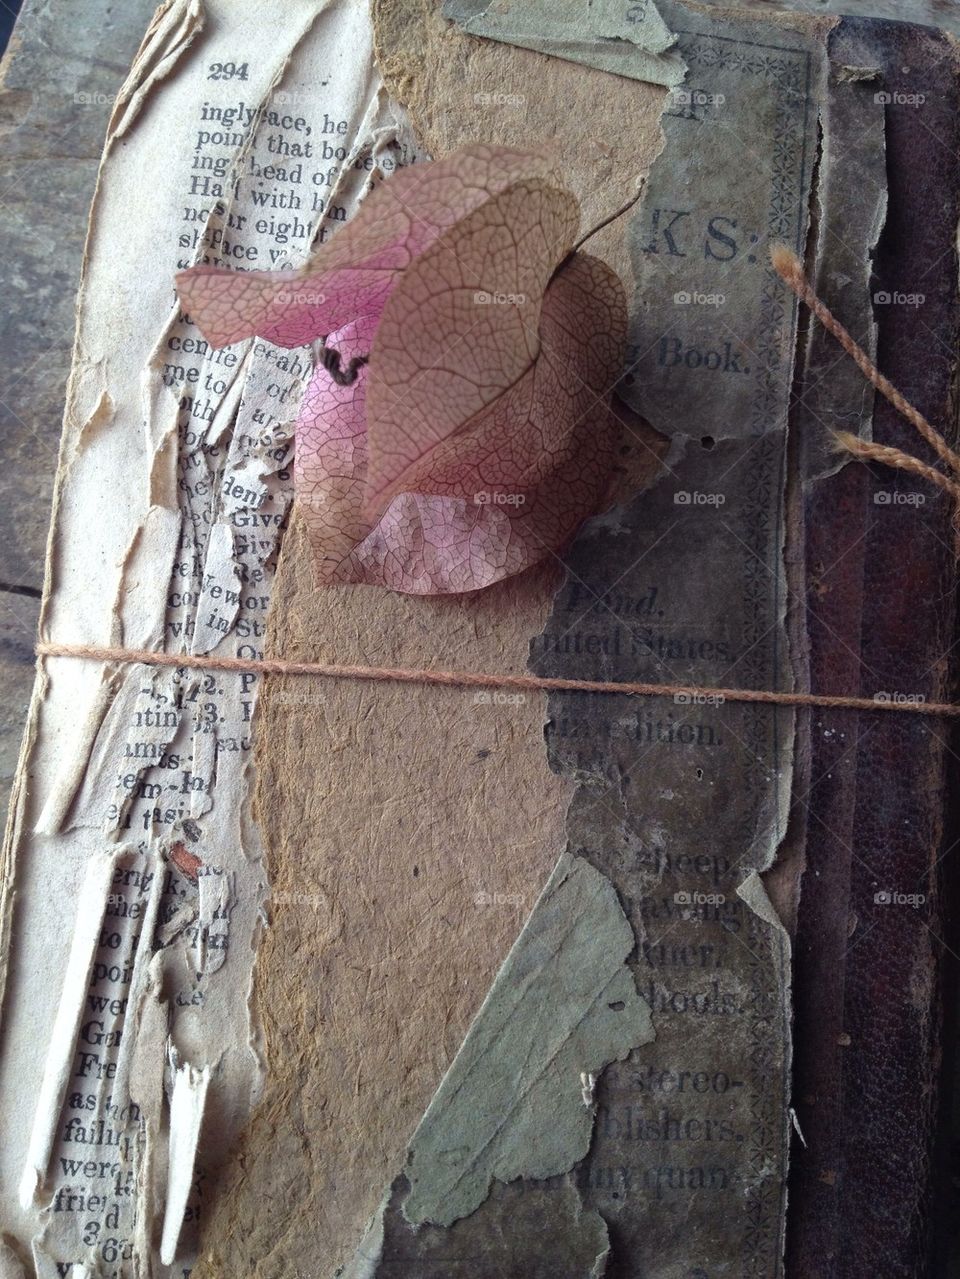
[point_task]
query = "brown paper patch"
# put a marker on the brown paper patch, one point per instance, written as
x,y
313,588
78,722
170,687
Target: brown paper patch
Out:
x,y
410,831
461,89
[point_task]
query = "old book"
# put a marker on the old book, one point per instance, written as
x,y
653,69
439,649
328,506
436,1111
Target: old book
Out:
x,y
372,979
875,973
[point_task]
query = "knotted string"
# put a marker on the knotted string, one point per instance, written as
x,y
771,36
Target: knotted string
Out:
x,y
788,267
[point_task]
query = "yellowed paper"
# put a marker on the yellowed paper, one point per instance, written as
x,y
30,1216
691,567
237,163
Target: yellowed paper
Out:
x,y
241,132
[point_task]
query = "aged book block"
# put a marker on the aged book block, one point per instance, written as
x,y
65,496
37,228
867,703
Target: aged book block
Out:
x,y
387,980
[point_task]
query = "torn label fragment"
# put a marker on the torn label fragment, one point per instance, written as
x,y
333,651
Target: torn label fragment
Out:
x,y
186,1115
626,39
91,905
511,1105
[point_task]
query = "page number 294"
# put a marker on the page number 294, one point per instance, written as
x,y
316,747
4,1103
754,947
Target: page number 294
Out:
x,y
227,71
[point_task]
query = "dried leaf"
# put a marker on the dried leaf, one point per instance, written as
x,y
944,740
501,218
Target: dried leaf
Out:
x,y
330,462
478,436
560,433
354,271
457,332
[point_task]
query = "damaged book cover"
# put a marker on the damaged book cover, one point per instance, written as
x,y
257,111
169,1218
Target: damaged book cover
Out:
x,y
354,923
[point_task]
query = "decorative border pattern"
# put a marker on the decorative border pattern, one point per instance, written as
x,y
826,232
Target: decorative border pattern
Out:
x,y
789,74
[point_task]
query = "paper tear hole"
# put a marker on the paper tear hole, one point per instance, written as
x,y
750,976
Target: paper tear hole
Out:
x,y
618,1005
416,871
699,774
707,442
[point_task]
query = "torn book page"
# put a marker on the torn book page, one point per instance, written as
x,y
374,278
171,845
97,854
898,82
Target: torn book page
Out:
x,y
242,136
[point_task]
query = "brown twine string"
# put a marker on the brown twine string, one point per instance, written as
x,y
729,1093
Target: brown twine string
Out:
x,y
789,268
480,679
